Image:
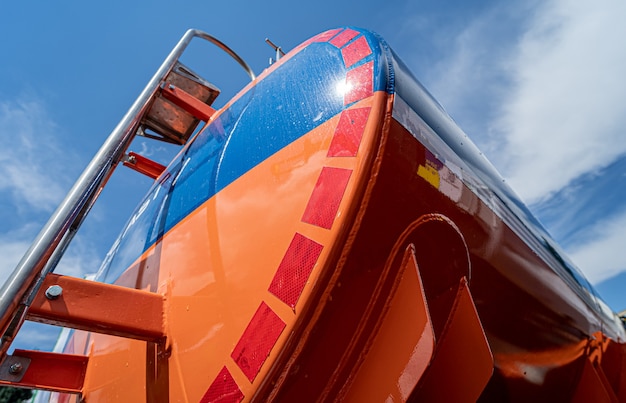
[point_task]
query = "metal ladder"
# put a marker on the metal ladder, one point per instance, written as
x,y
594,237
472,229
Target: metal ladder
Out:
x,y
170,108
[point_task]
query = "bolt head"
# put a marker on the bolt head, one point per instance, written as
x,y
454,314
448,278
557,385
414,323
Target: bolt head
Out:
x,y
15,368
54,292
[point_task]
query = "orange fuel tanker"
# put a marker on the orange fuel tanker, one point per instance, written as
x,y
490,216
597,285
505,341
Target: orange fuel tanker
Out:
x,y
330,234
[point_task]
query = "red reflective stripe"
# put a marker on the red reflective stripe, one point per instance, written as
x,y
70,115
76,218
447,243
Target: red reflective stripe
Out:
x,y
257,341
325,36
344,37
295,269
348,133
355,51
359,82
265,327
327,194
224,389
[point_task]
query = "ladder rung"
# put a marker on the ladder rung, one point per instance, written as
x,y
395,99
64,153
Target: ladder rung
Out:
x,y
187,101
51,371
143,165
99,307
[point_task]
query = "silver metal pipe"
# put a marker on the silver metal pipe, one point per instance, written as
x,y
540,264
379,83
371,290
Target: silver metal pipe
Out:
x,y
221,45
86,190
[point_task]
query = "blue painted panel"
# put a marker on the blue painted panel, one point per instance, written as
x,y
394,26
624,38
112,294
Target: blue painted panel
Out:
x,y
300,95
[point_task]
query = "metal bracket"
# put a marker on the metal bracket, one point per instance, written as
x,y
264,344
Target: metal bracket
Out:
x,y
101,308
278,49
13,368
56,372
143,165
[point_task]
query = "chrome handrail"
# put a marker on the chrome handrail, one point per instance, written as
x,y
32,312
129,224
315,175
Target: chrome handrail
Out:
x,y
46,250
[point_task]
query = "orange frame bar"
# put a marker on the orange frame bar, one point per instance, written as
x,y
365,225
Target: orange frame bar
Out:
x,y
188,102
101,308
50,371
144,165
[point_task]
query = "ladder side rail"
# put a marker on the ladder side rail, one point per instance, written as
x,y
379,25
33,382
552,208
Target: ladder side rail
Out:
x,y
225,48
80,198
19,315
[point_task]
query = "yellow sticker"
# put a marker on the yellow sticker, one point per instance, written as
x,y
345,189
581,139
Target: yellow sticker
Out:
x,y
429,173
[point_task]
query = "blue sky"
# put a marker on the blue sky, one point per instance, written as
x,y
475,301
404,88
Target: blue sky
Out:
x,y
538,85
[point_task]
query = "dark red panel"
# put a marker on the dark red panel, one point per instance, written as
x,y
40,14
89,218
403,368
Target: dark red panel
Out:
x,y
359,82
295,269
327,195
355,51
224,389
348,133
344,37
257,341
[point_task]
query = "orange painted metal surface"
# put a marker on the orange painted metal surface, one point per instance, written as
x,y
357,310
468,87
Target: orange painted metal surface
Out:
x,y
144,165
99,307
353,263
201,263
403,346
188,102
52,371
462,360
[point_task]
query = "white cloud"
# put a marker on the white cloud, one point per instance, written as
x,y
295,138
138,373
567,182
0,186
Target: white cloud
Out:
x,y
603,256
32,162
13,244
81,257
11,252
467,78
37,336
566,114
542,92
78,259
35,172
538,86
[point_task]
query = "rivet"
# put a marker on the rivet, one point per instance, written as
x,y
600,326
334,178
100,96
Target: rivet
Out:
x,y
54,292
15,368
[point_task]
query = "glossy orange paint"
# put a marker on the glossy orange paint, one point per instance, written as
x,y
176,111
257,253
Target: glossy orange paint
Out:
x,y
105,308
403,346
188,102
144,165
407,284
67,374
463,358
213,272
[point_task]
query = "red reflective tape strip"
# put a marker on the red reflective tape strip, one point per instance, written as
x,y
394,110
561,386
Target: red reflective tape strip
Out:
x,y
295,268
355,51
359,83
224,389
344,37
348,134
327,194
325,36
257,341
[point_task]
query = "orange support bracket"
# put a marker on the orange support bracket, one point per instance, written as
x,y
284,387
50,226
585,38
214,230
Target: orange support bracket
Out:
x,y
614,365
41,370
404,344
98,307
462,363
593,386
143,165
187,101
602,378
